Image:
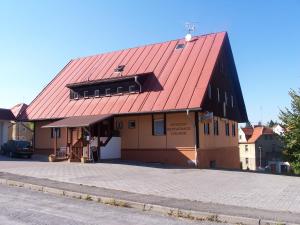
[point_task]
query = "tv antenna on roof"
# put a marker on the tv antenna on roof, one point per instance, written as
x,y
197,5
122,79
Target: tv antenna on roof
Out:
x,y
190,27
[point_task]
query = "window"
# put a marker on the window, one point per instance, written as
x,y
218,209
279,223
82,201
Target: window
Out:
x,y
180,46
132,88
218,94
225,97
247,161
119,125
119,90
107,92
224,109
231,101
209,91
233,129
227,129
75,95
55,132
131,124
86,94
216,127
159,127
97,93
246,148
206,128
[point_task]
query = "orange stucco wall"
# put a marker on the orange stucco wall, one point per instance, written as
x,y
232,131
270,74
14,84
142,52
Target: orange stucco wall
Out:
x,y
178,145
43,142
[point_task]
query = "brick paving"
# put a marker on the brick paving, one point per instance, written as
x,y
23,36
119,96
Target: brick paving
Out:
x,y
262,191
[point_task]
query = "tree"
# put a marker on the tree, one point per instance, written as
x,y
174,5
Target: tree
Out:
x,y
271,123
291,122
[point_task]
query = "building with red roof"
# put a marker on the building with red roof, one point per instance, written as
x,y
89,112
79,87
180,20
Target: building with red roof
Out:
x,y
260,147
174,102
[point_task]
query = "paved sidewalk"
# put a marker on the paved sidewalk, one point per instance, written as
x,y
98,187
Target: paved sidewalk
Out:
x,y
222,213
241,189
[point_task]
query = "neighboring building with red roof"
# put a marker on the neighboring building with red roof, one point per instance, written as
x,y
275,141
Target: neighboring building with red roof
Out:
x,y
174,102
260,147
6,117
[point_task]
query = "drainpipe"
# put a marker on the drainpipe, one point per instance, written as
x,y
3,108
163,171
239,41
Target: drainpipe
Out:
x,y
138,83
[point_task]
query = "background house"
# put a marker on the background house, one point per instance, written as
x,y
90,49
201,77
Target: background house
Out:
x,y
261,147
20,130
6,118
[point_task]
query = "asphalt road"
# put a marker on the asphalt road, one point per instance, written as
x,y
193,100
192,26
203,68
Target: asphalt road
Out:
x,y
20,206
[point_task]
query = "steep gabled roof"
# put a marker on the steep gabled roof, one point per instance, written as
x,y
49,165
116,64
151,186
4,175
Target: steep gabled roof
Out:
x,y
18,109
6,114
180,79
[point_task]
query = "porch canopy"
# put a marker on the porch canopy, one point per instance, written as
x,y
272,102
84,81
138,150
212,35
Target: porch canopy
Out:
x,y
78,121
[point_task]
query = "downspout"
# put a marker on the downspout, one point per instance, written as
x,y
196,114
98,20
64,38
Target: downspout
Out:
x,y
138,83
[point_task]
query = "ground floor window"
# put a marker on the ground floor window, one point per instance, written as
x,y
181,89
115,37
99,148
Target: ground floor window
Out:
x,y
159,124
55,132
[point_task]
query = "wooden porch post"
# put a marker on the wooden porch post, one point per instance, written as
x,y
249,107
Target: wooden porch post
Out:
x,y
55,141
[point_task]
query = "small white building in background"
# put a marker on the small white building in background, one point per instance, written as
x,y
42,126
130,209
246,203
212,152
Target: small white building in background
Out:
x,y
277,129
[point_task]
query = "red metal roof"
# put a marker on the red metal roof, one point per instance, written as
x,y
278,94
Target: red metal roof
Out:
x,y
182,75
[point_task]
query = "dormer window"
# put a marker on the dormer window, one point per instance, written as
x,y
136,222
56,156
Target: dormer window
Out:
x,y
86,94
132,89
96,93
75,95
107,92
119,90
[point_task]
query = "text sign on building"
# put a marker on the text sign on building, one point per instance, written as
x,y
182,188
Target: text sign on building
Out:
x,y
178,128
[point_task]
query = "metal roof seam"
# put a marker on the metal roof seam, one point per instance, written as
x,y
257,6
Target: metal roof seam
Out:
x,y
199,53
61,90
168,75
202,69
169,54
29,109
177,77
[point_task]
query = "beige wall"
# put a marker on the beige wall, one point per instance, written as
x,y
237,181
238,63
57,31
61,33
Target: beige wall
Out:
x,y
44,142
250,154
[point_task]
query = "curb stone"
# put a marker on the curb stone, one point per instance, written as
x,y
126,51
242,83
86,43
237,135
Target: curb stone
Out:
x,y
176,212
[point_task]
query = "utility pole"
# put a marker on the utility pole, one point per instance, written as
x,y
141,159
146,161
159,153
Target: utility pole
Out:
x,y
259,156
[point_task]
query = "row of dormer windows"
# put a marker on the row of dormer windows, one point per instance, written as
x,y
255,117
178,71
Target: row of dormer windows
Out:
x,y
96,93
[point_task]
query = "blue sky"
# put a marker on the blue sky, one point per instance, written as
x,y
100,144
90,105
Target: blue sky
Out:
x,y
37,38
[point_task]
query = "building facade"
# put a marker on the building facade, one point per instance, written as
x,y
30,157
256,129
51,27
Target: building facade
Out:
x,y
6,118
261,148
177,102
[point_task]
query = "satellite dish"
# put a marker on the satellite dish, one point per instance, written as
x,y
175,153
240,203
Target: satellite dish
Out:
x,y
188,37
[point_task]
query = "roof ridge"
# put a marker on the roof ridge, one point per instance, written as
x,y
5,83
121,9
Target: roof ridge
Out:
x,y
144,45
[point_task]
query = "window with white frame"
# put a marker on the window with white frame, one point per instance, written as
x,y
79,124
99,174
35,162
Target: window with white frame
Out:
x,y
132,89
227,129
86,94
225,97
246,148
75,95
96,93
107,92
216,127
119,90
